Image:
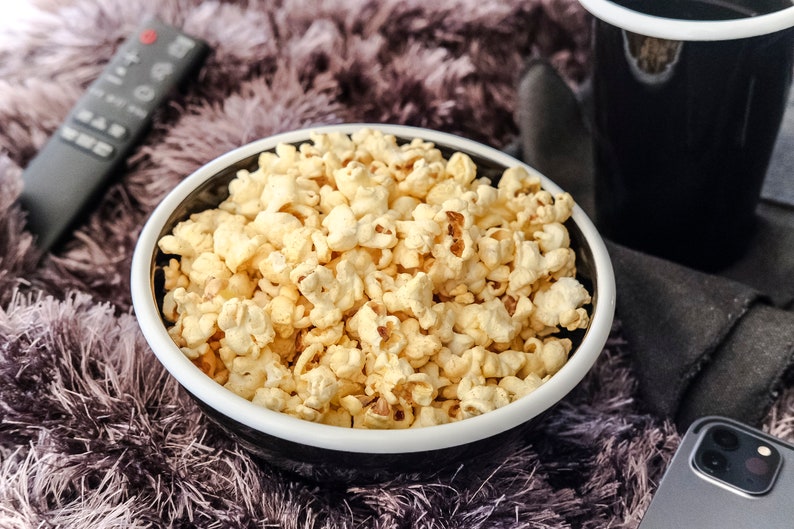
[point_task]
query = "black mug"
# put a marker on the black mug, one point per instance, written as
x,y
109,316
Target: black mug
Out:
x,y
688,97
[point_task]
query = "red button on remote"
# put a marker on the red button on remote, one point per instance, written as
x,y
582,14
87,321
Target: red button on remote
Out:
x,y
148,36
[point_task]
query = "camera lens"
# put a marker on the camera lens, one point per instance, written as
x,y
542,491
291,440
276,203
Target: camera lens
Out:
x,y
757,466
714,462
725,439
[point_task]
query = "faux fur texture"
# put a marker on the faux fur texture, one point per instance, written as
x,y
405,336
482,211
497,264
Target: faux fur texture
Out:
x,y
94,434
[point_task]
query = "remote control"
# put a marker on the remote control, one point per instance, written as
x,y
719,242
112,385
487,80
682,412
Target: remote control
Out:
x,y
64,179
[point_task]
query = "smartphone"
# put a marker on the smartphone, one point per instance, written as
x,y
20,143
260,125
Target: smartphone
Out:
x,y
725,475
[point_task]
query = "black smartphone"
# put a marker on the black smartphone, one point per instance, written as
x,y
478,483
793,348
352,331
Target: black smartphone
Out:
x,y
725,475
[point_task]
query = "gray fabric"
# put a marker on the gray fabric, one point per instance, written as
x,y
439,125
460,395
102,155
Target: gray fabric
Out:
x,y
553,133
778,184
768,265
675,320
701,343
750,364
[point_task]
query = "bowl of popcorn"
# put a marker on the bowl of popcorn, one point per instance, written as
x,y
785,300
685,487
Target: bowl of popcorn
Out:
x,y
352,301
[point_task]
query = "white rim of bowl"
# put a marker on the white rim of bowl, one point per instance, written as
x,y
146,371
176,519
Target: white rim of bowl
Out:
x,y
689,30
348,439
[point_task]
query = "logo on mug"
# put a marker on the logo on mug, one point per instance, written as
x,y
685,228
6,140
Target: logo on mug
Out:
x,y
652,60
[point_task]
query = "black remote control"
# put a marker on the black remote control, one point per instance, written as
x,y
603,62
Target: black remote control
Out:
x,y
76,164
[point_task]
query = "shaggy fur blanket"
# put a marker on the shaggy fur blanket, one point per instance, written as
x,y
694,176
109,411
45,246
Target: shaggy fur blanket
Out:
x,y
94,434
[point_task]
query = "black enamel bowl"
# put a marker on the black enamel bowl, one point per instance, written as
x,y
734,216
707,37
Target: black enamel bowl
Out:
x,y
331,452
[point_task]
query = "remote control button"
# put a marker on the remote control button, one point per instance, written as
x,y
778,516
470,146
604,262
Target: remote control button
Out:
x,y
121,71
180,47
144,93
148,36
84,116
105,150
136,111
85,141
117,131
161,71
115,100
131,57
118,81
95,91
99,123
69,134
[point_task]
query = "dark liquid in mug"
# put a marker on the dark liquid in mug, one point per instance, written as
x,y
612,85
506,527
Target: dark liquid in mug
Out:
x,y
684,132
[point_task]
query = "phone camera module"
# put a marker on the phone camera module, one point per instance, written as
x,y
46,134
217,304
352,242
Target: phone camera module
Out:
x,y
738,458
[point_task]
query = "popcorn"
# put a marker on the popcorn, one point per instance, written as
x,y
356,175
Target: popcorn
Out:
x,y
358,282
496,247
476,399
192,238
321,386
475,320
246,376
342,227
205,267
319,286
346,362
560,303
376,330
415,298
246,326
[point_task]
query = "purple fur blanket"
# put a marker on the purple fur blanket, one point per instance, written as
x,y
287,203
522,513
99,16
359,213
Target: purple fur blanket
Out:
x,y
95,435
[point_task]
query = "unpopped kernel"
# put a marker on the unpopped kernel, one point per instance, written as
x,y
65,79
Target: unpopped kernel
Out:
x,y
356,281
